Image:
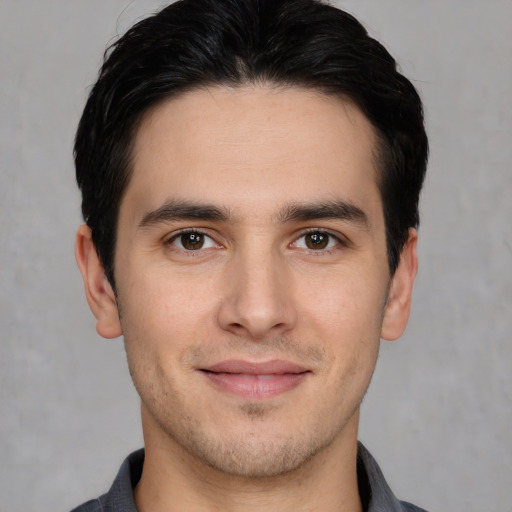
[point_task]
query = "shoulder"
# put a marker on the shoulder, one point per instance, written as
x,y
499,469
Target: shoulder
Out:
x,y
90,506
409,507
375,493
120,496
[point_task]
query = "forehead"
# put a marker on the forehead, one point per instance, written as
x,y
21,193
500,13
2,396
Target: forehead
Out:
x,y
253,147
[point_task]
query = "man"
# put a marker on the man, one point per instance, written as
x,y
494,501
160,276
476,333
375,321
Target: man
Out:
x,y
250,173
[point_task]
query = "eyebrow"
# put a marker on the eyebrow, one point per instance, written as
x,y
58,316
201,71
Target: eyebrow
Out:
x,y
184,210
338,209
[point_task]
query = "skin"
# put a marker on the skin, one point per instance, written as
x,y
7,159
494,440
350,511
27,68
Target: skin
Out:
x,y
252,287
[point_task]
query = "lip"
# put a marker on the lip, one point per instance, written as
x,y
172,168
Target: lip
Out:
x,y
255,380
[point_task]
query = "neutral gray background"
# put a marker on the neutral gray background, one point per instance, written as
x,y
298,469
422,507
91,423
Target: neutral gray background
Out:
x,y
438,416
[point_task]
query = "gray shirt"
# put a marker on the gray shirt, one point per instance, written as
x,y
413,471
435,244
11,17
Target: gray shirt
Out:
x,y
375,493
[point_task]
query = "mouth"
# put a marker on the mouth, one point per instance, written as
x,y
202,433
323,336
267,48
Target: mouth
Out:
x,y
255,380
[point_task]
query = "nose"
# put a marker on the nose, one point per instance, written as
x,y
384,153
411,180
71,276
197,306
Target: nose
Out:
x,y
259,299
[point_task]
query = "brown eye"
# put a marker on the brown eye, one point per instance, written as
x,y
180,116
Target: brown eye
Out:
x,y
316,241
192,241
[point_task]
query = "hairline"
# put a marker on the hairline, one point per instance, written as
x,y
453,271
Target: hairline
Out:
x,y
379,143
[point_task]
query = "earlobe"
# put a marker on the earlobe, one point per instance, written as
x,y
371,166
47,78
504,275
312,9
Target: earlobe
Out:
x,y
398,305
99,293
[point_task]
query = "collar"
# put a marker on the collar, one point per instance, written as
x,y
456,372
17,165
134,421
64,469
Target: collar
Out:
x,y
375,493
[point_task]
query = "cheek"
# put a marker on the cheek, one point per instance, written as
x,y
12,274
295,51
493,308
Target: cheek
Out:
x,y
345,315
345,301
159,321
161,309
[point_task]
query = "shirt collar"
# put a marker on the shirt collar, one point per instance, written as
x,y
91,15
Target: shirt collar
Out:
x,y
375,493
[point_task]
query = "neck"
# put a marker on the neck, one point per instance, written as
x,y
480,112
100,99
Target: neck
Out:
x,y
174,480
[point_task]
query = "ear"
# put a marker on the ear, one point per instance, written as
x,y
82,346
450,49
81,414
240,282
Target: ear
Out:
x,y
99,293
398,305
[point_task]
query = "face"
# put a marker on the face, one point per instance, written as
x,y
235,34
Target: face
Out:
x,y
252,276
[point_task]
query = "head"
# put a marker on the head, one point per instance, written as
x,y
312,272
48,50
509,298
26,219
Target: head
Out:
x,y
250,173
196,44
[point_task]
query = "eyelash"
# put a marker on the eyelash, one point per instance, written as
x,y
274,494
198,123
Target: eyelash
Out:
x,y
339,241
190,252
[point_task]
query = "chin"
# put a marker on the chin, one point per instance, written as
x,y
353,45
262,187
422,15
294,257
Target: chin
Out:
x,y
256,460
258,453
